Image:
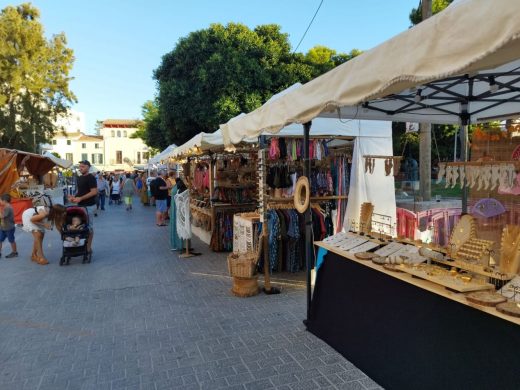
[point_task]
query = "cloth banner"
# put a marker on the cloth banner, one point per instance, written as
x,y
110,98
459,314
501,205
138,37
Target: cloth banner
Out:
x,y
182,203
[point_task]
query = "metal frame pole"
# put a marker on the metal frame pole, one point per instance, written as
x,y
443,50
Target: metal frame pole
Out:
x,y
308,215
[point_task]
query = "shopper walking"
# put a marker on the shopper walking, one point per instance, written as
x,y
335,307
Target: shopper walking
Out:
x,y
36,221
7,225
103,189
86,196
129,190
159,189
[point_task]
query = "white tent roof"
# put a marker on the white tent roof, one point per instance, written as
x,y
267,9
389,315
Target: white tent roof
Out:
x,y
321,127
58,161
162,156
461,64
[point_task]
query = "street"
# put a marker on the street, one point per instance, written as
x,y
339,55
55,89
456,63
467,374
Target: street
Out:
x,y
139,317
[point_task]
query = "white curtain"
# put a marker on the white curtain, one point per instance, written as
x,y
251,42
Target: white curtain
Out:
x,y
376,188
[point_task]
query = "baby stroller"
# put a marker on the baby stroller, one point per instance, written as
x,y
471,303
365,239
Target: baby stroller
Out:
x,y
75,240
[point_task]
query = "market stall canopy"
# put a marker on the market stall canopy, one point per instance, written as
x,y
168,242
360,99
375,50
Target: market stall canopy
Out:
x,y
58,161
322,127
162,156
461,65
12,163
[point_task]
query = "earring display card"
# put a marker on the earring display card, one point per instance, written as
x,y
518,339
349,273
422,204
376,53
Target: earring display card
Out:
x,y
364,247
389,249
352,242
511,290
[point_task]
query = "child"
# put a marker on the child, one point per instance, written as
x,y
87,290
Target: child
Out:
x,y
75,226
7,225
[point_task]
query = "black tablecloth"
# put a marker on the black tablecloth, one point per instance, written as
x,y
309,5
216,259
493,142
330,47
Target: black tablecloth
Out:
x,y
405,337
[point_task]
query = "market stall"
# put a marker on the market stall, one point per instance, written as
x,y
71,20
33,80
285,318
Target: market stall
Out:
x,y
368,304
221,184
24,175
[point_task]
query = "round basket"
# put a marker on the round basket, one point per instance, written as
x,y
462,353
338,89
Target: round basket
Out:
x,y
242,265
245,287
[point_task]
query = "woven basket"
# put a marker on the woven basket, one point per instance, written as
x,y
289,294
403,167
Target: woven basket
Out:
x,y
242,265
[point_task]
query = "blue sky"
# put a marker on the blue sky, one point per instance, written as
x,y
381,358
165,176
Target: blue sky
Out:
x,y
118,44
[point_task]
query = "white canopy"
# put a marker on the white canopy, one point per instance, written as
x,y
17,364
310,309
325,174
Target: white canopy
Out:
x,y
459,65
162,156
58,161
202,141
321,127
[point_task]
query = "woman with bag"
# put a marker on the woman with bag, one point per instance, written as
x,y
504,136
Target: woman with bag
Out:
x,y
38,219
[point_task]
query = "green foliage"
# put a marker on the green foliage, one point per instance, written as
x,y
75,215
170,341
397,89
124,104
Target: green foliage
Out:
x,y
437,6
56,154
215,74
34,78
150,130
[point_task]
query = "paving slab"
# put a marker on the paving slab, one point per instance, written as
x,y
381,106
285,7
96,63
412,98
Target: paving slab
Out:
x,y
140,317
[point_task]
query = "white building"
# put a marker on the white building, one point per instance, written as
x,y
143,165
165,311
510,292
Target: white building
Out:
x,y
122,152
111,150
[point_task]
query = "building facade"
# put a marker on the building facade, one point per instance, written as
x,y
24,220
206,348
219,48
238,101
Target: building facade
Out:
x,y
111,150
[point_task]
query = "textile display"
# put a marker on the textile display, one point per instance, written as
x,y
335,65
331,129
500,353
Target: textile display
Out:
x,y
376,188
175,240
182,204
222,236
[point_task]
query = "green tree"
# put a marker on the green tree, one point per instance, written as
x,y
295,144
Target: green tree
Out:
x,y
437,6
34,78
322,59
150,129
216,73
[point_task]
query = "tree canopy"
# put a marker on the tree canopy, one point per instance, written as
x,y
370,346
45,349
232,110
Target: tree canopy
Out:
x,y
34,78
216,73
437,6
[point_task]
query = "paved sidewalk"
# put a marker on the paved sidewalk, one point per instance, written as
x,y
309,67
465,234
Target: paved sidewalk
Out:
x,y
138,317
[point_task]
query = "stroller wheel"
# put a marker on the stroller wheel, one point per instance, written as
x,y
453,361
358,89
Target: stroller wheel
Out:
x,y
68,261
84,259
62,260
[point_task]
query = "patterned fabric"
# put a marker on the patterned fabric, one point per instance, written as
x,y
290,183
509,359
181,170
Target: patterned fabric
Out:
x,y
175,240
273,224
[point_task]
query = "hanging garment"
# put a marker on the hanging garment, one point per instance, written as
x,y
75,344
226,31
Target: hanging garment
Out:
x,y
175,240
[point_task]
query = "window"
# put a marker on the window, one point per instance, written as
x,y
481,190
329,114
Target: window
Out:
x,y
68,156
96,146
68,142
113,133
54,142
119,157
84,156
124,133
83,146
97,158
118,133
139,157
145,156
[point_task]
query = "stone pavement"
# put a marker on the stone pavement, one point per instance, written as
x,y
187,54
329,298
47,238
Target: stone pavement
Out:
x,y
138,317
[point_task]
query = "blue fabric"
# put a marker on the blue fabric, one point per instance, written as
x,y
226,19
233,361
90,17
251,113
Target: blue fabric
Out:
x,y
273,224
320,258
9,234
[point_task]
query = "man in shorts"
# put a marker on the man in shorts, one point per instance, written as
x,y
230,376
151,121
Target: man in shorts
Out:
x,y
86,196
161,186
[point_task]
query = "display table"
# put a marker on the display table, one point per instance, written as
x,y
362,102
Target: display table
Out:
x,y
408,333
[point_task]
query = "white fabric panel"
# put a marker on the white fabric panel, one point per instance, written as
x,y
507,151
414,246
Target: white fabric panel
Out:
x,y
376,188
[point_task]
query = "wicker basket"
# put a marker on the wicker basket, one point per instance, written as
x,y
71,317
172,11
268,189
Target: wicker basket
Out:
x,y
242,265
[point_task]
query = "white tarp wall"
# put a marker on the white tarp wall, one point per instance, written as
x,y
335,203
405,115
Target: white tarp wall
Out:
x,y
373,138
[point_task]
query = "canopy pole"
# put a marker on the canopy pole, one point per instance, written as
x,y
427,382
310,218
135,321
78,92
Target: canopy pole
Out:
x,y
465,158
308,216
